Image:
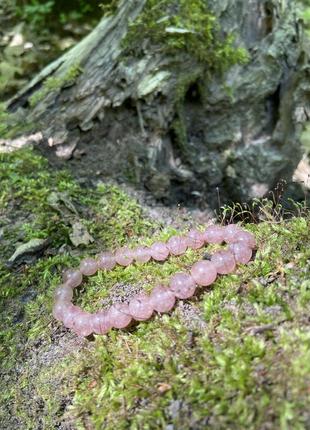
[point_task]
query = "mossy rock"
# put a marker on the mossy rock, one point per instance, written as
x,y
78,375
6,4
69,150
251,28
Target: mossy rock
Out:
x,y
236,356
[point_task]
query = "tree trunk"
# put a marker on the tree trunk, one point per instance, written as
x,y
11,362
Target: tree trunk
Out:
x,y
176,128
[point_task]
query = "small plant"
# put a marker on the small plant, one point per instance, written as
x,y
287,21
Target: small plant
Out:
x,y
35,12
268,209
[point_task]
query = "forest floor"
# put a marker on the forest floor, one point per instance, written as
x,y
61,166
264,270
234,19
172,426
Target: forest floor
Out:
x,y
236,356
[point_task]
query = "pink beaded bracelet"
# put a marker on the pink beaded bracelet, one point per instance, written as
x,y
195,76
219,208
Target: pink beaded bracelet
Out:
x,y
162,298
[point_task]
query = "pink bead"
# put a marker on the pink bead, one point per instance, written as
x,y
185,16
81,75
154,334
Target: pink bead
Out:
x,y
60,309
204,273
159,251
106,260
73,278
177,245
70,315
241,251
119,315
140,307
162,299
124,256
82,324
214,234
63,293
88,266
245,237
101,322
195,239
230,231
224,261
182,285
142,254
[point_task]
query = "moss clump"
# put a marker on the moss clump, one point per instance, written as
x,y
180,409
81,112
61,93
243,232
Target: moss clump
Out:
x,y
109,7
52,84
236,356
184,26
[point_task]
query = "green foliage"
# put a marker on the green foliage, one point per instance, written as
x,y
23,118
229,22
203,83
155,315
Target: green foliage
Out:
x,y
35,12
41,13
52,84
184,26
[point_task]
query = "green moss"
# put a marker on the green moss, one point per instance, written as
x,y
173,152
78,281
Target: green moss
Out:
x,y
236,356
226,379
52,84
184,26
109,7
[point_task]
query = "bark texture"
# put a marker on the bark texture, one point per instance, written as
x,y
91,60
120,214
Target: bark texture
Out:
x,y
172,127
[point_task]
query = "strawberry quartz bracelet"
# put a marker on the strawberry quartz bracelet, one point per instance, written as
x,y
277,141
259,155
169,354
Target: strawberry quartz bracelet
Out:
x,y
162,298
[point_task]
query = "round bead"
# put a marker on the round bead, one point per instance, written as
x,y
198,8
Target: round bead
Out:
x,y
119,315
195,239
241,251
162,299
106,260
140,307
177,245
73,278
88,266
82,324
101,322
142,254
63,293
70,315
204,273
124,256
214,234
230,231
60,309
224,261
159,251
245,237
182,285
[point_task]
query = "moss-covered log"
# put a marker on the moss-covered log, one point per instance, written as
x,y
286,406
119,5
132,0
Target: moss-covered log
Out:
x,y
160,94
